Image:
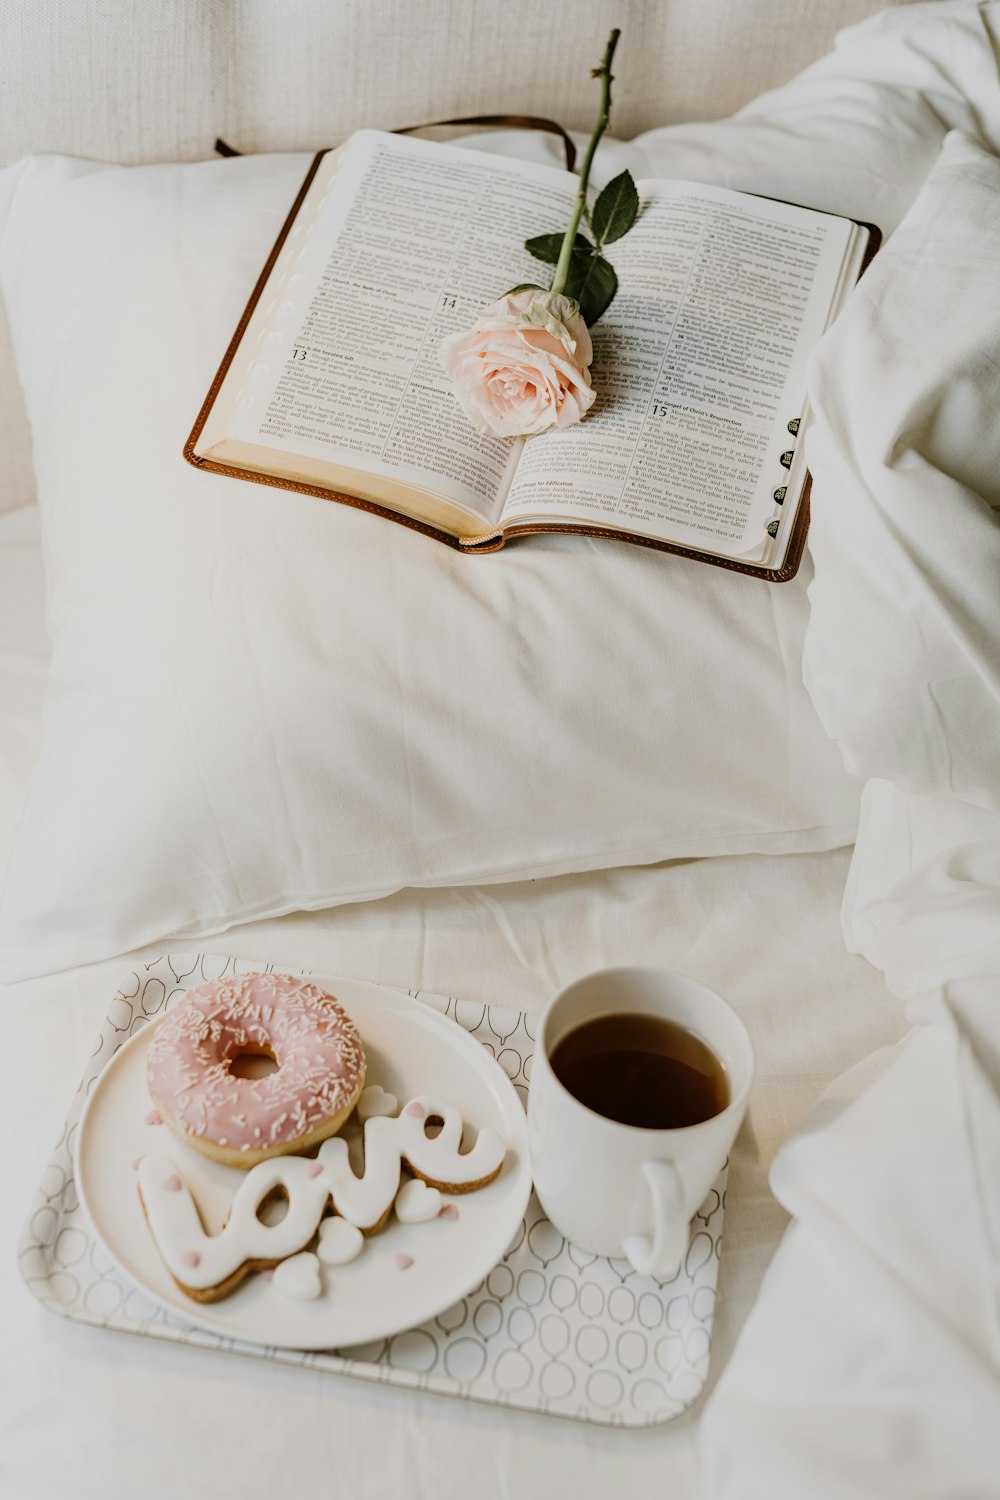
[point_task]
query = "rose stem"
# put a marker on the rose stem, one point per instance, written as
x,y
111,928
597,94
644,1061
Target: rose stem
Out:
x,y
569,239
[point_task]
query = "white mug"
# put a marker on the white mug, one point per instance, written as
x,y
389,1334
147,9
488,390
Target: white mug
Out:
x,y
615,1189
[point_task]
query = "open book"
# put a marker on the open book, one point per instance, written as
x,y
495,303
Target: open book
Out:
x,y
333,385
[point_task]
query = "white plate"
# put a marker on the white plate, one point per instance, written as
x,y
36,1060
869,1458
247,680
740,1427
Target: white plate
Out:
x,y
410,1050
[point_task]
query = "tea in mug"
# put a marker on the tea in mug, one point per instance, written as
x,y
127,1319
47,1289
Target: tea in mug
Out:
x,y
642,1069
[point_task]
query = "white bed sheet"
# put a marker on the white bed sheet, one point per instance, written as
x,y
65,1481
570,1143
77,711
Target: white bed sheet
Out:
x,y
88,1414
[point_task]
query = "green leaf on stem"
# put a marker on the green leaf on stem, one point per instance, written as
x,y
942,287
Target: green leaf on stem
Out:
x,y
592,282
546,247
616,208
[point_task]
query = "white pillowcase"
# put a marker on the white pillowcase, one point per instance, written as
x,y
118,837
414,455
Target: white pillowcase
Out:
x,y
261,702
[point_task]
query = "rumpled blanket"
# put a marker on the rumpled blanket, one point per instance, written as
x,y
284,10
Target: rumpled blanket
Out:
x,y
870,1366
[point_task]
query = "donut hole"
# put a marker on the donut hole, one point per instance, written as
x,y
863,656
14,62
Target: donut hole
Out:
x,y
260,1063
433,1126
273,1207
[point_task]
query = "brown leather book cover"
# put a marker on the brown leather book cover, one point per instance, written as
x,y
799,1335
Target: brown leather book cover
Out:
x,y
493,543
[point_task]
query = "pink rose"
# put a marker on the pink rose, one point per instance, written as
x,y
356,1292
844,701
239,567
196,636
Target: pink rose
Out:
x,y
524,366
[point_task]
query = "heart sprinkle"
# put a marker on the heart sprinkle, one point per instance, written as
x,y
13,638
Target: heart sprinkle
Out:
x,y
339,1242
403,1262
416,1109
376,1101
416,1202
299,1277
448,1212
172,1183
154,1117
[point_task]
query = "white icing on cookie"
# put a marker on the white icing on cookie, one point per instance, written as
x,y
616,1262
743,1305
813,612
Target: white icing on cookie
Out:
x,y
416,1203
339,1242
202,1261
376,1101
299,1277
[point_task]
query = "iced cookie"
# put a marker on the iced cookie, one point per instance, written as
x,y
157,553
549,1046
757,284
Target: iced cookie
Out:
x,y
208,1267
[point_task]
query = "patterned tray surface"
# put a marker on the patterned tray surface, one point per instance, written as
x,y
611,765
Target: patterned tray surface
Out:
x,y
550,1329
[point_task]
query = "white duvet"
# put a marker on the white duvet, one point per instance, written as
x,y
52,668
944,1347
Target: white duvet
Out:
x,y
871,1363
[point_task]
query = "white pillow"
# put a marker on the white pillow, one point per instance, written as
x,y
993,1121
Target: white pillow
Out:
x,y
262,702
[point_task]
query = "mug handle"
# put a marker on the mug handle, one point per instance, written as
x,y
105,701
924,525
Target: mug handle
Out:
x,y
661,1253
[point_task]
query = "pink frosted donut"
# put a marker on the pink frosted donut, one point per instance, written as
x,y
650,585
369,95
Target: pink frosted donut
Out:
x,y
242,1121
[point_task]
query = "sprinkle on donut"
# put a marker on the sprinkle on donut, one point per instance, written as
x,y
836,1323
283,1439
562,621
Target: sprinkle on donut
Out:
x,y
315,1044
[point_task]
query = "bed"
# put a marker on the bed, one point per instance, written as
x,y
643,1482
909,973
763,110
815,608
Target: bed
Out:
x,y
90,1413
751,926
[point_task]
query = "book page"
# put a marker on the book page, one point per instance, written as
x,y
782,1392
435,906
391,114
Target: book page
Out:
x,y
699,365
405,241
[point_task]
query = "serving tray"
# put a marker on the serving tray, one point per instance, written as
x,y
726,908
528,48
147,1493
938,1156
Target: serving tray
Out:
x,y
550,1329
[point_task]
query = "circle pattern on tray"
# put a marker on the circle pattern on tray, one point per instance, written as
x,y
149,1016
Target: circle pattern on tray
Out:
x,y
461,1351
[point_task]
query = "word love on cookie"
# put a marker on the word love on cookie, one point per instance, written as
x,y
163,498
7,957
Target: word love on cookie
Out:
x,y
208,1267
